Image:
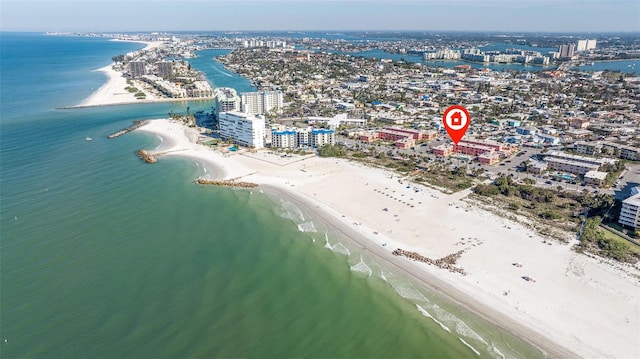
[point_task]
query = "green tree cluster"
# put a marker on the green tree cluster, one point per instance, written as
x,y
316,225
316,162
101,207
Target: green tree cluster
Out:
x,y
593,237
332,151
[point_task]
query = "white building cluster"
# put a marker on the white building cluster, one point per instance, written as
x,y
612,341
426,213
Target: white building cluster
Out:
x,y
569,50
512,56
446,54
252,103
272,44
168,88
477,55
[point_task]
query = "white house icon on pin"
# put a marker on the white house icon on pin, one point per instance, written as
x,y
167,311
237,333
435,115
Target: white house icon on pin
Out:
x,y
456,119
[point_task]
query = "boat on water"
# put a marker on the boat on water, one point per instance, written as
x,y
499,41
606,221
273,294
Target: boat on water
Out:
x,y
88,138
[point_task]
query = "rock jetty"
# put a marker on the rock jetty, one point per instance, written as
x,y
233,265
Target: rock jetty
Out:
x,y
447,262
136,124
227,183
146,156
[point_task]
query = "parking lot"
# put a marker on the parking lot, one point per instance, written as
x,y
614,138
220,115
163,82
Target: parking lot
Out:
x,y
630,178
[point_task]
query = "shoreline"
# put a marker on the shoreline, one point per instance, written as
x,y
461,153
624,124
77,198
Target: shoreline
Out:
x,y
113,93
573,293
433,284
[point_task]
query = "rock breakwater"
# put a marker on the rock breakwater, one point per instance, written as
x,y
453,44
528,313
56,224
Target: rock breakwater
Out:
x,y
226,183
447,262
136,124
146,156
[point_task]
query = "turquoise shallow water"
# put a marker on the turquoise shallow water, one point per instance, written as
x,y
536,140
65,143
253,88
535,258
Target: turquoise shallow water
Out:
x,y
103,256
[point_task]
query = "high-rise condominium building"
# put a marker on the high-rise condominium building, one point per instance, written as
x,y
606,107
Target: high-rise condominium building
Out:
x,y
226,99
584,45
262,102
567,50
165,69
137,68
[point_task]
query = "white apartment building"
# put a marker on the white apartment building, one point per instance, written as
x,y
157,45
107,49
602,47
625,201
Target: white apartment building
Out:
x,y
630,213
564,162
284,139
611,148
242,129
320,137
262,102
225,100
337,120
306,137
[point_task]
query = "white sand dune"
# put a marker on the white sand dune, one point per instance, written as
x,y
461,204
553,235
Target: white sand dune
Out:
x,y
578,306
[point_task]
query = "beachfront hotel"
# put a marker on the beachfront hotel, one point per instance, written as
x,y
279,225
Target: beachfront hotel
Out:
x,y
225,100
242,129
262,102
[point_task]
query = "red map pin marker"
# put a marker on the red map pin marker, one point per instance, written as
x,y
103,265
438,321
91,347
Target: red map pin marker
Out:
x,y
456,120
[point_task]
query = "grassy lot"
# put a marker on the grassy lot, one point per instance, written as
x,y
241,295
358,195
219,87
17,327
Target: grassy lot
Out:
x,y
616,238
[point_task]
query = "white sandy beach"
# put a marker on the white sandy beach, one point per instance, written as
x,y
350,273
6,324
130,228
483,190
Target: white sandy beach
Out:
x,y
578,306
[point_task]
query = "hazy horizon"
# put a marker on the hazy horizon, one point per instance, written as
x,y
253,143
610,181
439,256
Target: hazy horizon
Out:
x,y
500,16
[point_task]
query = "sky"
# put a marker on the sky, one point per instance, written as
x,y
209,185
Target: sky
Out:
x,y
342,15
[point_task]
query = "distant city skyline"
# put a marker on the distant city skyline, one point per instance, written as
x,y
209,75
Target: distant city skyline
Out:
x,y
311,15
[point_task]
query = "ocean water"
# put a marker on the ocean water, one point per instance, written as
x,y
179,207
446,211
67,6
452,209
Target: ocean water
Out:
x,y
104,256
217,74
